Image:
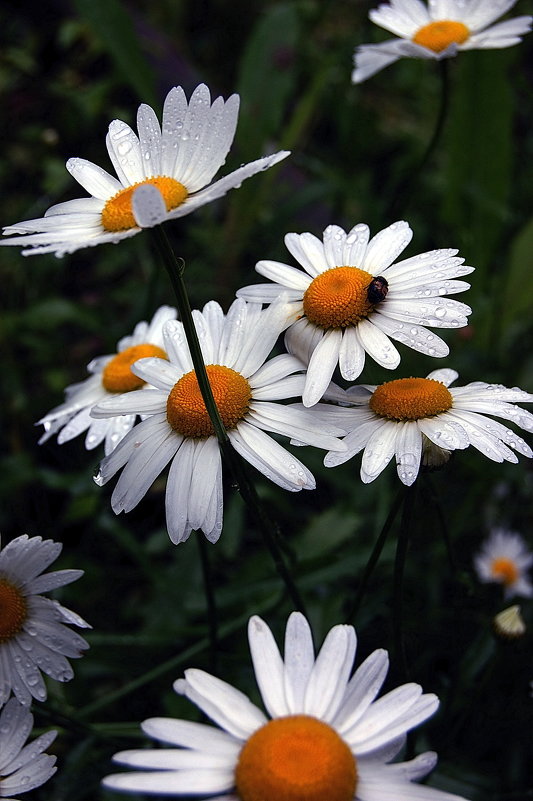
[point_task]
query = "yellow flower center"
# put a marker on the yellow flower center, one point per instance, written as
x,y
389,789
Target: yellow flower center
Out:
x,y
186,412
437,36
410,399
296,758
117,214
117,375
13,610
338,298
504,570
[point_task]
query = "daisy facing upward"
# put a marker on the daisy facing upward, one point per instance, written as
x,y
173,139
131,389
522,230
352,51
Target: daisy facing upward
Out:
x,y
176,427
178,158
353,299
325,738
439,30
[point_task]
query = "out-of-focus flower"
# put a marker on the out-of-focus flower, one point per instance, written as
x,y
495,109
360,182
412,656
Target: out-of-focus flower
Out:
x,y
439,30
33,634
22,767
509,624
354,299
505,559
177,428
326,736
163,173
109,375
399,418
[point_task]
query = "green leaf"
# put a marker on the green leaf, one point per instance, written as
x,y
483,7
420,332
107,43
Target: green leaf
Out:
x,y
113,25
518,292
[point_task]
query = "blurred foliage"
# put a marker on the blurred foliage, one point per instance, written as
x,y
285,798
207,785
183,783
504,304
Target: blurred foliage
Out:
x,y
63,78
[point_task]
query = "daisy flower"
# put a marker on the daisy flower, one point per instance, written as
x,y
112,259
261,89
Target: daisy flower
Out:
x,y
33,634
174,162
405,417
353,299
177,427
505,559
325,735
110,375
438,30
22,767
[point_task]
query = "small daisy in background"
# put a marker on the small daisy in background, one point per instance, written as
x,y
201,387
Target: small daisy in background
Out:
x,y
421,420
324,737
176,426
439,30
505,559
178,158
34,636
22,767
353,299
111,375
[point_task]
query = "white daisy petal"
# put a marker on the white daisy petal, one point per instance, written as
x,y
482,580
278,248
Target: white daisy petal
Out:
x,y
125,153
94,179
268,667
334,245
299,661
271,459
327,683
321,366
148,206
282,274
377,344
385,246
379,450
408,452
308,251
150,140
351,355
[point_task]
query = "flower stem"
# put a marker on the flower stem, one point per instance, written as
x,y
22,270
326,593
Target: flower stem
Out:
x,y
376,553
404,191
174,267
212,615
399,566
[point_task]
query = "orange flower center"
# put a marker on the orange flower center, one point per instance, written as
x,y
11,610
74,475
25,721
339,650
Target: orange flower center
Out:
x,y
338,298
117,214
296,758
505,570
186,411
13,610
410,399
437,36
117,375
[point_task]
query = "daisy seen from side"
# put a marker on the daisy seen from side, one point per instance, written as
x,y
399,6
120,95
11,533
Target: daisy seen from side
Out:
x,y
353,299
34,633
110,375
421,420
505,558
22,767
438,30
324,734
177,427
163,173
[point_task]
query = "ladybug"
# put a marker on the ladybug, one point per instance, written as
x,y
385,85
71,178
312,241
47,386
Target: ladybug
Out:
x,y
377,289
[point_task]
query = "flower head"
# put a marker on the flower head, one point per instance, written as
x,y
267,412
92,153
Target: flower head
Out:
x,y
505,559
325,736
402,418
110,375
22,768
355,299
33,634
439,30
176,426
163,173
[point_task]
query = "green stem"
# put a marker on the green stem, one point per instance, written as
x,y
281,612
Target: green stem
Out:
x,y
436,505
404,192
212,615
174,268
399,567
376,553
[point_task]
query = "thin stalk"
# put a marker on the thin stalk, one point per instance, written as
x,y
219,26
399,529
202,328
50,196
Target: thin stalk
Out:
x,y
376,553
175,267
405,189
212,615
399,567
436,504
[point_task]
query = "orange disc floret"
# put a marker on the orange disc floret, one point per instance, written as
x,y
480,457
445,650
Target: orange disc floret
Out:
x,y
505,570
410,399
186,412
296,758
338,297
117,375
13,610
437,36
117,214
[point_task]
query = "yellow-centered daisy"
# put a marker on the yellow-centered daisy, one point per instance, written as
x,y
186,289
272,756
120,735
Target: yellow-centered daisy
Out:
x,y
437,30
505,559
